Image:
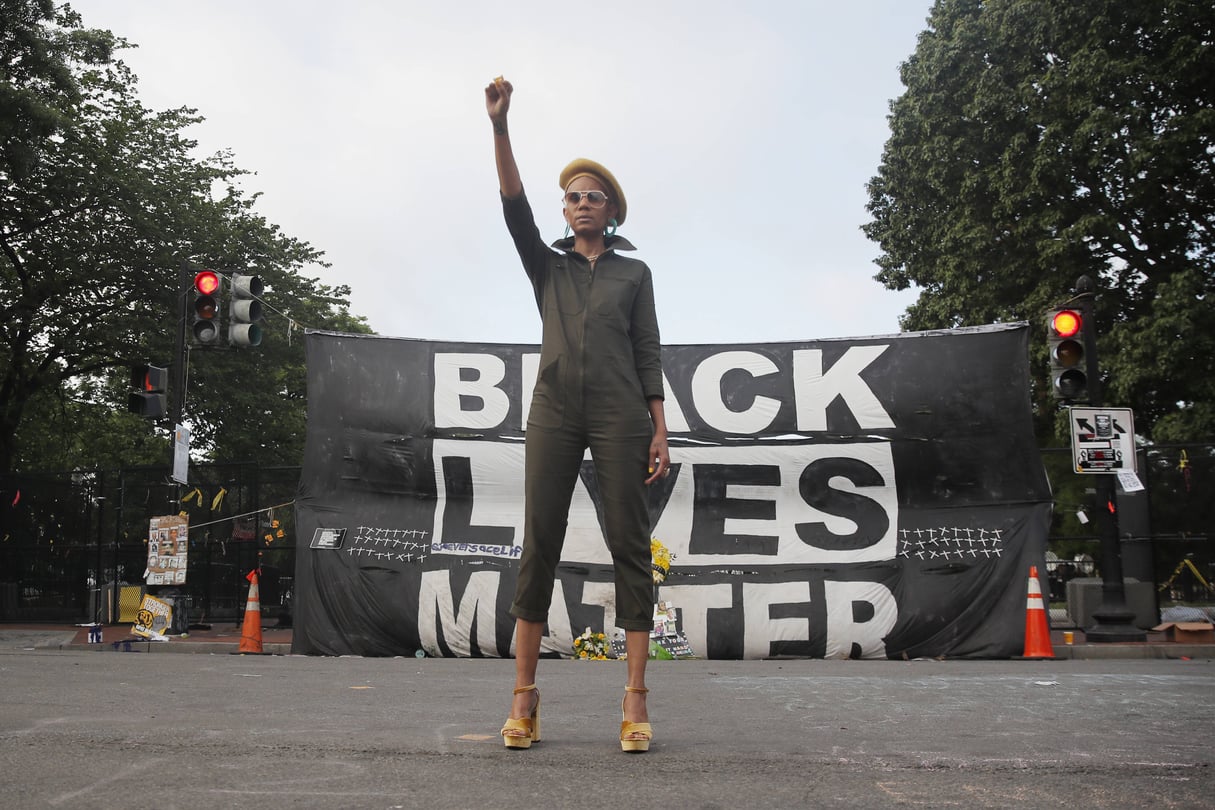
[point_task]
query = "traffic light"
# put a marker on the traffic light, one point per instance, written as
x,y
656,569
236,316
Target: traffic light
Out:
x,y
206,307
246,311
148,384
1068,362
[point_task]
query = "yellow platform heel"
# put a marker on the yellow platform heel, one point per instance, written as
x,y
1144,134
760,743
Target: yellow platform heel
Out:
x,y
634,737
521,732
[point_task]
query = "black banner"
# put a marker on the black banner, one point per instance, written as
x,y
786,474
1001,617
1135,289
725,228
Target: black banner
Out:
x,y
872,497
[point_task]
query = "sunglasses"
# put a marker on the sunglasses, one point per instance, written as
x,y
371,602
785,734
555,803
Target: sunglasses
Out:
x,y
595,199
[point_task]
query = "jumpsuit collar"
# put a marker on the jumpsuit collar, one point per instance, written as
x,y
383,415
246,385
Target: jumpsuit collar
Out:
x,y
566,245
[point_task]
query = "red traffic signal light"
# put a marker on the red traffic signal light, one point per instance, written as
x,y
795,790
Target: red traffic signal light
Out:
x,y
206,282
1068,363
1066,323
206,306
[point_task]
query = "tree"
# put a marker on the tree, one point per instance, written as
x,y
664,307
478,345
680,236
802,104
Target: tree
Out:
x,y
101,201
1039,141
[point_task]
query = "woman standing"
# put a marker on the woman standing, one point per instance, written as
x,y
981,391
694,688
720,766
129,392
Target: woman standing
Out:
x,y
599,386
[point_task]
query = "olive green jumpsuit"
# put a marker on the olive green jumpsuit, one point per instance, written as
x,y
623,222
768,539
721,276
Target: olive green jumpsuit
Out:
x,y
600,363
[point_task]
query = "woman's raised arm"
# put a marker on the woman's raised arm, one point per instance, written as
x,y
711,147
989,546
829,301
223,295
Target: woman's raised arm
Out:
x,y
497,104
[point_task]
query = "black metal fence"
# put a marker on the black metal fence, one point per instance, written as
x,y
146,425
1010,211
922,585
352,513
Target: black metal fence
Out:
x,y
1166,532
73,546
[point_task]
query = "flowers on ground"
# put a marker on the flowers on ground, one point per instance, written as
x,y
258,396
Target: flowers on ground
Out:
x,y
591,646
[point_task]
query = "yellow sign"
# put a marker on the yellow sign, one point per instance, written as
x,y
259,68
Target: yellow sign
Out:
x,y
154,618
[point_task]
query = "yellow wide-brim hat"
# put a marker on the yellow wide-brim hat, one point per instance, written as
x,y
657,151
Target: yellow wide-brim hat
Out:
x,y
582,166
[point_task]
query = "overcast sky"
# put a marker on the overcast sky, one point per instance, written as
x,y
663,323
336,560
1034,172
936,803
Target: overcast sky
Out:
x,y
743,135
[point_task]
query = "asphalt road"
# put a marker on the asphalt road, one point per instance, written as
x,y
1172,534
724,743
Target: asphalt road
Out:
x,y
97,728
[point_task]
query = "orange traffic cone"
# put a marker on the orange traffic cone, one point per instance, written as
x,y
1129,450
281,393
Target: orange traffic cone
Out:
x,y
1037,626
251,632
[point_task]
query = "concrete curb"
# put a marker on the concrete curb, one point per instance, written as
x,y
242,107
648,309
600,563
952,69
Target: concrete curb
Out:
x,y
224,641
75,639
188,647
1078,652
1143,650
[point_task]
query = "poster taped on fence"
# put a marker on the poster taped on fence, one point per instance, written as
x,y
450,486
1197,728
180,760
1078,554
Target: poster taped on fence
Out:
x,y
168,547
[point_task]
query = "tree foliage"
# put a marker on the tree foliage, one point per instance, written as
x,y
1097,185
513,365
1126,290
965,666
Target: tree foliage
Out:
x,y
1039,141
102,202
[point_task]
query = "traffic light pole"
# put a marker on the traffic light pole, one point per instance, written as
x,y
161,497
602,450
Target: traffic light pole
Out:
x,y
1114,620
177,411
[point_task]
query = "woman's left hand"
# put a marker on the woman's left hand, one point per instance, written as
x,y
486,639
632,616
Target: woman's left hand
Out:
x,y
660,458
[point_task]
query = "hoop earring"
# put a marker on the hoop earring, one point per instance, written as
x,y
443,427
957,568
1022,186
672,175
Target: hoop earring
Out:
x,y
610,230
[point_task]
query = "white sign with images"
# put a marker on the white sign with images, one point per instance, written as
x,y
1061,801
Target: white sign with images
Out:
x,y
1103,439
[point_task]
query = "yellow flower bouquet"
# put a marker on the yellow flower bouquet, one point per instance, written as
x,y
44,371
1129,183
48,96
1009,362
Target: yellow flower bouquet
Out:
x,y
591,646
660,560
